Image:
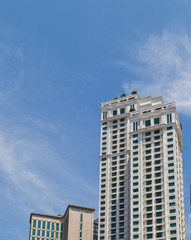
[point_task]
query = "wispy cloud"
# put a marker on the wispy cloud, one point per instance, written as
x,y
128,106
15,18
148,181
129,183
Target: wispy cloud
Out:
x,y
18,157
164,68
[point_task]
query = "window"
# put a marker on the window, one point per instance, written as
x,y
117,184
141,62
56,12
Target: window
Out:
x,y
34,223
48,225
149,229
173,225
136,223
135,209
135,196
157,137
122,110
148,189
157,174
132,107
43,224
158,214
147,123
159,220
148,145
135,135
159,207
149,195
104,115
169,117
147,133
114,112
135,126
149,222
171,165
170,145
157,162
158,194
156,121
171,197
169,133
170,152
149,209
159,200
147,139
159,234
157,143
148,176
33,232
158,187
157,181
148,164
135,229
157,132
149,202
172,204
170,140
169,128
171,177
149,236
135,177
135,236
148,152
157,149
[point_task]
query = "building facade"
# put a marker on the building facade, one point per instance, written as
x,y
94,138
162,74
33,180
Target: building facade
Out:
x,y
75,224
141,182
95,237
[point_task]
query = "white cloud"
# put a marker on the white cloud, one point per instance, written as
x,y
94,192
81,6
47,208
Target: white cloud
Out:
x,y
18,157
164,68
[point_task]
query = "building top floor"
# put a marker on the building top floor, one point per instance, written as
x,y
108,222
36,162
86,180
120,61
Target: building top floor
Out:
x,y
60,217
133,106
142,103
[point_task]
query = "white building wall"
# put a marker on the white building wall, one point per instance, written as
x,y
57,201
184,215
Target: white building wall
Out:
x,y
139,211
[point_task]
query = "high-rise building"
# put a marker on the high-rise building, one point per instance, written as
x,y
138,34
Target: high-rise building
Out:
x,y
141,183
95,237
75,224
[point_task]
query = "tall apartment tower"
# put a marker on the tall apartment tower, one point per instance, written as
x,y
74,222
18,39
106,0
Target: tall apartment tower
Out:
x,y
141,183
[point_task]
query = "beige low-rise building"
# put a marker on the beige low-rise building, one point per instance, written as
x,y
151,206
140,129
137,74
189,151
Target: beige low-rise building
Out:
x,y
75,224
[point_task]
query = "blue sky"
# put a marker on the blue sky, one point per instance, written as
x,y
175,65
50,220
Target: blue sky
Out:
x,y
58,61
